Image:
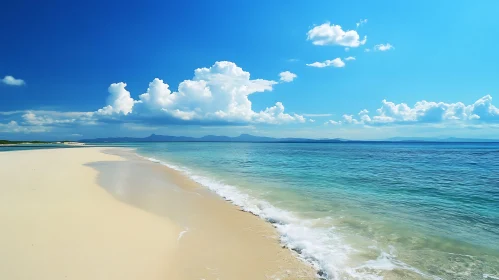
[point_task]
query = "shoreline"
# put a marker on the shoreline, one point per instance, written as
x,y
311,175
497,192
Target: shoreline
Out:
x,y
203,236
226,230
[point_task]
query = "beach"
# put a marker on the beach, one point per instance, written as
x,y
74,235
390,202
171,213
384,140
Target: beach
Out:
x,y
359,211
99,213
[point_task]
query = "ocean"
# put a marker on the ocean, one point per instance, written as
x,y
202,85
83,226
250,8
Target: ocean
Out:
x,y
361,210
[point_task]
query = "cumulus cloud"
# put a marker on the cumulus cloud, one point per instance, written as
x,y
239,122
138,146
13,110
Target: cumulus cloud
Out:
x,y
276,115
287,76
119,100
215,95
218,93
481,111
337,62
349,119
349,58
361,22
11,81
383,47
331,34
158,95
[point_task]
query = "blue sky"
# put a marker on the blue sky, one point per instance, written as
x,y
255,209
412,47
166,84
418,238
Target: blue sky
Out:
x,y
350,69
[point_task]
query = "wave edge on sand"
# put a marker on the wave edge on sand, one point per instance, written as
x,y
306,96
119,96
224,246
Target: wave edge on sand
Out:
x,y
322,248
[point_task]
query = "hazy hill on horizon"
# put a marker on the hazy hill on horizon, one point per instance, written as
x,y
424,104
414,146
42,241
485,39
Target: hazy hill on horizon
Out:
x,y
252,138
207,138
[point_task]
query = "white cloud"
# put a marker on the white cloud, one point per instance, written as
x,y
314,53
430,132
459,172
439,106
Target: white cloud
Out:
x,y
11,81
8,113
287,76
332,122
276,115
330,34
361,22
317,115
365,119
215,95
367,50
349,58
337,62
43,121
311,120
182,115
119,100
32,119
159,95
349,119
9,127
383,47
14,127
218,93
481,111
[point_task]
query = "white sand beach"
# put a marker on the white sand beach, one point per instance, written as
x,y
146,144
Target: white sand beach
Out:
x,y
58,222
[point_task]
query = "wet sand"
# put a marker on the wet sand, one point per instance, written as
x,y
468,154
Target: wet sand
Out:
x,y
95,213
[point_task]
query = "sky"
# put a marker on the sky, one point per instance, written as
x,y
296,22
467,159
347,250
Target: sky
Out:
x,y
320,69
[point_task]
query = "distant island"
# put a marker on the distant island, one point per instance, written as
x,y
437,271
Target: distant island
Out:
x,y
207,138
262,139
248,138
36,142
7,142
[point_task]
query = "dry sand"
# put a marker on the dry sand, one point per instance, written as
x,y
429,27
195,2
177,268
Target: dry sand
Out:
x,y
79,213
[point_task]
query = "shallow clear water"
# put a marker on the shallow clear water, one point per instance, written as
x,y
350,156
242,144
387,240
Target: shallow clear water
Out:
x,y
362,211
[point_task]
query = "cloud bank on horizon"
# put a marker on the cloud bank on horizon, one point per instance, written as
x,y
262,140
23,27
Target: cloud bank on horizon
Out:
x,y
219,95
426,112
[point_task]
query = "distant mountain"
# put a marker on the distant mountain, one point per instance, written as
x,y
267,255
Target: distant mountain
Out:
x,y
207,138
436,139
262,139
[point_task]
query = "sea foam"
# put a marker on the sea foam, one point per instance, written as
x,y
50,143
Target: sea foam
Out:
x,y
321,247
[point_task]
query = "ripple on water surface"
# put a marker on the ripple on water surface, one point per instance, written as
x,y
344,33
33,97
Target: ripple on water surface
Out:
x,y
362,211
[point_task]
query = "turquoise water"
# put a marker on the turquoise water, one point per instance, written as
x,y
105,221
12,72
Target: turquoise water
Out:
x,y
362,211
